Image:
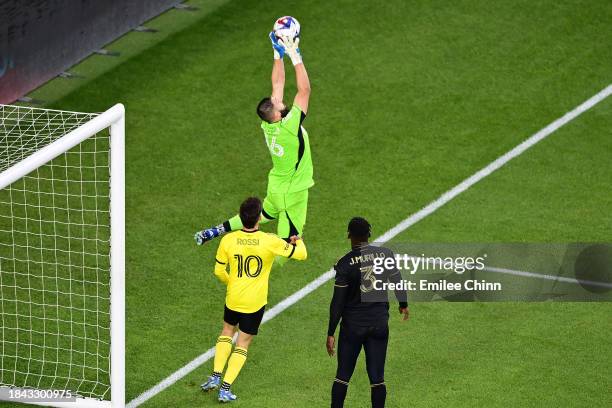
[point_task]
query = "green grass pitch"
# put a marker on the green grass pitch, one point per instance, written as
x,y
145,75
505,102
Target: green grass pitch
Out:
x,y
408,99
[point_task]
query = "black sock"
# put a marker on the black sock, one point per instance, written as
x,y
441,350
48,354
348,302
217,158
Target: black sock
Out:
x,y
226,226
225,386
216,375
338,393
379,395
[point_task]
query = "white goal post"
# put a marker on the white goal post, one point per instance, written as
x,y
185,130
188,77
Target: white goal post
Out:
x,y
62,256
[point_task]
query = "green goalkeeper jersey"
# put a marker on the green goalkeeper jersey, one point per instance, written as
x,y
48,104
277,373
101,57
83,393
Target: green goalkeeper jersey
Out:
x,y
289,148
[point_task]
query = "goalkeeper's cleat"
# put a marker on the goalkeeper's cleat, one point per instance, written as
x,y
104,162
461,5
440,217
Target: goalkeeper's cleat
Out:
x,y
208,234
226,396
212,383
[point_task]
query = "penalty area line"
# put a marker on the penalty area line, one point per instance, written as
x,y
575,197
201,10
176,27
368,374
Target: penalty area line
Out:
x,y
390,234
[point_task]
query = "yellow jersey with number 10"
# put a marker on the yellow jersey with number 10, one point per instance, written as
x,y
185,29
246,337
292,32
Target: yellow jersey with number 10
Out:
x,y
243,262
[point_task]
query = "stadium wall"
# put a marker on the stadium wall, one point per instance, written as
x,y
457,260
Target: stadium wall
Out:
x,y
39,39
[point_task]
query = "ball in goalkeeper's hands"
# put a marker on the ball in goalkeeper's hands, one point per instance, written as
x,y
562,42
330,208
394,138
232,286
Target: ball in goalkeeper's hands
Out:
x,y
286,26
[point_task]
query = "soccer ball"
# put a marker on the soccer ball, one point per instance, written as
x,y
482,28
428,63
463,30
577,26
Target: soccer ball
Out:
x,y
287,27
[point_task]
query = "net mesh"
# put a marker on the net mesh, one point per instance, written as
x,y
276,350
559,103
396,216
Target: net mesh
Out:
x,y
55,257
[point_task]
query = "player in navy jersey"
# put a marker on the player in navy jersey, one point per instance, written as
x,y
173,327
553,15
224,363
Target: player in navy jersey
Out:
x,y
364,312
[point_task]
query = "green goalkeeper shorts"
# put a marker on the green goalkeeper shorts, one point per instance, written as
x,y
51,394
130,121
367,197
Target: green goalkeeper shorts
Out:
x,y
289,209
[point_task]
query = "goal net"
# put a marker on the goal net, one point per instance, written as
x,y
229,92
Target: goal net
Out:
x,y
62,256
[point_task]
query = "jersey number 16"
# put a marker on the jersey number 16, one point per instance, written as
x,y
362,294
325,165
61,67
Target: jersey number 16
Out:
x,y
274,147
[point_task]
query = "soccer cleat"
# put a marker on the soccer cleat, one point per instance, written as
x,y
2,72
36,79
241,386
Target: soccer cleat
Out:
x,y
208,234
212,383
226,396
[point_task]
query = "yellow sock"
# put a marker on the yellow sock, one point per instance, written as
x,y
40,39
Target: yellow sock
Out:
x,y
223,349
235,364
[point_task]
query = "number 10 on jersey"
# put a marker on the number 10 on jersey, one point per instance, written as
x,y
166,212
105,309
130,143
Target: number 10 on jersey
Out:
x,y
250,266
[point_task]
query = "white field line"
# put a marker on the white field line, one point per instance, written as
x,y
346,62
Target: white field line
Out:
x,y
402,226
547,277
527,274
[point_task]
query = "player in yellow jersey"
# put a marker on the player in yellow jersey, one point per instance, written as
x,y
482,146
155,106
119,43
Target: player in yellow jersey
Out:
x,y
243,262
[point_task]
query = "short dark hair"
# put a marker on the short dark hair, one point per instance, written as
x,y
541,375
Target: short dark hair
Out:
x,y
359,228
250,211
265,108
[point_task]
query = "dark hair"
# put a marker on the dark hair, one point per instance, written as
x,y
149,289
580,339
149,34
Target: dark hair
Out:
x,y
265,108
359,228
250,211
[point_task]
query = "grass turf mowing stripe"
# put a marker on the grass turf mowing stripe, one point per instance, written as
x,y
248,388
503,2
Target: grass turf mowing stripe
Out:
x,y
390,234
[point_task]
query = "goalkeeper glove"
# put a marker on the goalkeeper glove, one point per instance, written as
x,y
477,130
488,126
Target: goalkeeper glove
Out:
x,y
292,49
279,50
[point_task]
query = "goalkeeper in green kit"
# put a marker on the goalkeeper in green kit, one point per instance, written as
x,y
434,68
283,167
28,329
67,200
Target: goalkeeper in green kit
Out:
x,y
288,144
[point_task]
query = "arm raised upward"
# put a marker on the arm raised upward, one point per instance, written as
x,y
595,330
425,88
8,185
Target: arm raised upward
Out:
x,y
303,87
278,69
278,80
292,49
